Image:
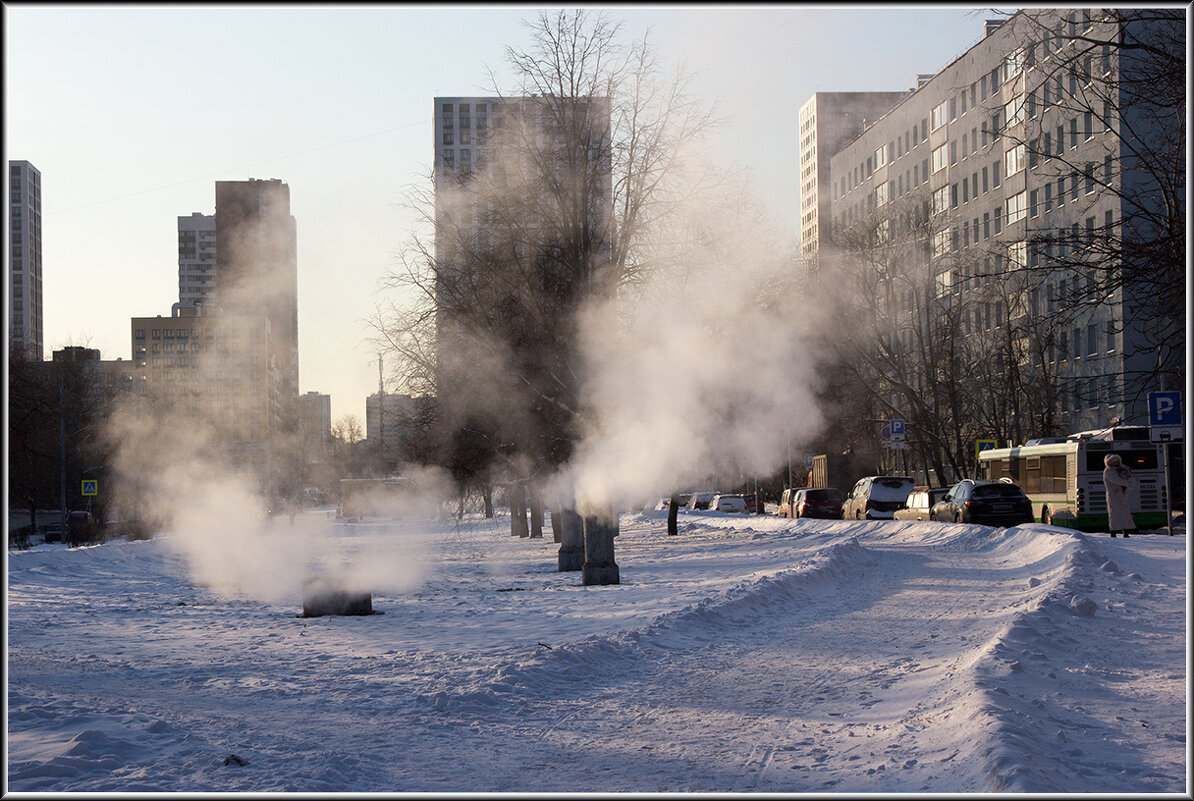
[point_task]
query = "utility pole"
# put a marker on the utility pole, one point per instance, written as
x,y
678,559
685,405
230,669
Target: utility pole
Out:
x,y
381,409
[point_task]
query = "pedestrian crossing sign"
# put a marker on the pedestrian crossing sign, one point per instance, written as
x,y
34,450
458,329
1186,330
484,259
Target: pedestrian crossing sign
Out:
x,y
90,487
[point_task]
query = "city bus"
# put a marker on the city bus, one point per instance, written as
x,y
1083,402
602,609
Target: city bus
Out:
x,y
1064,477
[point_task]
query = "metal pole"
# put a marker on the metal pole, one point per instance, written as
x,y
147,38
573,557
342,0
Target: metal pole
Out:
x,y
1168,491
789,460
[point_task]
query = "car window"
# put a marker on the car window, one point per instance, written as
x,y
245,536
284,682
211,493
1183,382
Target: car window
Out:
x,y
998,491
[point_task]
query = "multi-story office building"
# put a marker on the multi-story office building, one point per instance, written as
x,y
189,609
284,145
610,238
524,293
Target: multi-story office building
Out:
x,y
26,336
256,250
1015,169
196,258
828,120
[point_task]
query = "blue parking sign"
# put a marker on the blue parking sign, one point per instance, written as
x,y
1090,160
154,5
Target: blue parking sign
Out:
x,y
1165,409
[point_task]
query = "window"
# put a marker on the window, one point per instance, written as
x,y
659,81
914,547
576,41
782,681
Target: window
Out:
x,y
1017,255
1090,179
1092,339
937,116
965,149
953,196
1013,63
986,225
1088,125
1061,191
1048,197
1017,207
1060,139
940,200
939,158
881,193
1013,160
974,140
1047,146
953,152
962,96
1073,133
965,190
447,137
940,243
984,180
1107,169
995,174
1032,205
1074,185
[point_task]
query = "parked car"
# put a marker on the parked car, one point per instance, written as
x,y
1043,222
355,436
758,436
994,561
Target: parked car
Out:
x,y
819,502
920,503
877,497
754,503
700,500
80,528
989,503
785,502
728,503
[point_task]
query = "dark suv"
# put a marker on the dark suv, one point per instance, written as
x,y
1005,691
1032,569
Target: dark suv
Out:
x,y
989,503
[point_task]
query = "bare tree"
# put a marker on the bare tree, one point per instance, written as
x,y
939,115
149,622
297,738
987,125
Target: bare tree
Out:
x,y
1104,129
575,176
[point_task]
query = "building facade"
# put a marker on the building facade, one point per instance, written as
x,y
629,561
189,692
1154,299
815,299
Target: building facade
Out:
x,y
1008,164
257,253
25,319
316,423
828,120
196,258
216,373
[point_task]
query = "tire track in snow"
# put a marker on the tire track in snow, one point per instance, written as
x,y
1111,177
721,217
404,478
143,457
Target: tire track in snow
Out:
x,y
794,731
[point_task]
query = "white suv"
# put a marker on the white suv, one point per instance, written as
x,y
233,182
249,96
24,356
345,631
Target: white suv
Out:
x,y
877,497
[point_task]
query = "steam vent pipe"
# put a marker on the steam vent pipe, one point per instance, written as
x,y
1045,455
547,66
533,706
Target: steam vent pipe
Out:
x,y
323,596
599,566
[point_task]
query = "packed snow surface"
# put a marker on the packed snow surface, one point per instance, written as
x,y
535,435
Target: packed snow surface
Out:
x,y
746,654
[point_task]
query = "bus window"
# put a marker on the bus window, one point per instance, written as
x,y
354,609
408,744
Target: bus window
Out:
x,y
1032,474
1138,459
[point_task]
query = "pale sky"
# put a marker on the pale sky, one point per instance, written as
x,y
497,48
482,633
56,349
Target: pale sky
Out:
x,y
132,113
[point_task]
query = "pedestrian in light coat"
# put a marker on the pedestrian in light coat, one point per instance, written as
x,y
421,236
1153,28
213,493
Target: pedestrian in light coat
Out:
x,y
1116,479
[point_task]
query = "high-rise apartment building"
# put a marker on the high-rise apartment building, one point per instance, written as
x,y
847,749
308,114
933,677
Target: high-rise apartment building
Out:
x,y
26,336
828,120
257,253
196,258
1013,165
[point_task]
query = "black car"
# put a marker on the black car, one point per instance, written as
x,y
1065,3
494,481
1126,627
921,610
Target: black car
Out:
x,y
989,503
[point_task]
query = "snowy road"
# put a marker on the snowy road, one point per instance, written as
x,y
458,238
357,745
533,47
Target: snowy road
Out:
x,y
748,654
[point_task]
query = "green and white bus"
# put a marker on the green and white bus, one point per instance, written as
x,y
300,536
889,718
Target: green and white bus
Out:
x,y
1064,477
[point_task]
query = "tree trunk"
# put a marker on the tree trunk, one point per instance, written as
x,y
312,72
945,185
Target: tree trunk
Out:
x,y
672,508
536,512
487,494
599,566
518,509
572,541
555,526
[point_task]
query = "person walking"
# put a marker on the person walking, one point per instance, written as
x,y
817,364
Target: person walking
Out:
x,y
1117,477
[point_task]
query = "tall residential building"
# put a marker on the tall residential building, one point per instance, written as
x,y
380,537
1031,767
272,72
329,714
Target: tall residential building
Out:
x,y
212,370
26,335
257,253
196,258
316,423
1011,165
828,120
